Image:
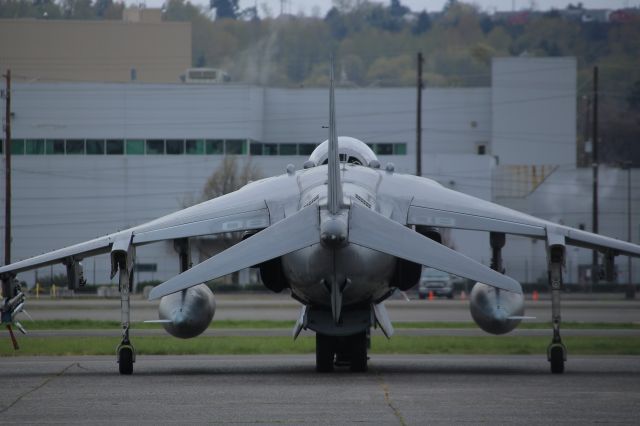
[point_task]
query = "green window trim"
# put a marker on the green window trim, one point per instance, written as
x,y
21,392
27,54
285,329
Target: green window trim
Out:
x,y
34,147
74,147
235,147
94,146
174,146
214,146
194,146
399,149
306,148
255,148
115,147
17,146
134,146
54,147
155,146
270,149
288,149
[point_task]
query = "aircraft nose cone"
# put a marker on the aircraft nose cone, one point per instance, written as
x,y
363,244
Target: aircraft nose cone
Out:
x,y
333,233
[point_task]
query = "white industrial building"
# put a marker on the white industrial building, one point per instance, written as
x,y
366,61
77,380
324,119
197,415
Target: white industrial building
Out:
x,y
93,158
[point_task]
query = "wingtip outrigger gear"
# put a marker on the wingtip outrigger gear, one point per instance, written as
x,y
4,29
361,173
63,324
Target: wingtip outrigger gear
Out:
x,y
13,302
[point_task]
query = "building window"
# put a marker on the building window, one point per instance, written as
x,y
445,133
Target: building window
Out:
x,y
215,146
55,146
135,146
235,147
175,146
306,148
195,147
146,267
95,147
115,147
17,146
75,146
400,149
256,148
155,146
482,149
288,149
270,149
383,148
34,146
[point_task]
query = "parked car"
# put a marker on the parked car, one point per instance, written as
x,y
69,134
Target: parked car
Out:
x,y
438,282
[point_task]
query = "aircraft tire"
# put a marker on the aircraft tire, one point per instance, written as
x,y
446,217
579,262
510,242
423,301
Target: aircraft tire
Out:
x,y
557,360
325,353
358,346
125,360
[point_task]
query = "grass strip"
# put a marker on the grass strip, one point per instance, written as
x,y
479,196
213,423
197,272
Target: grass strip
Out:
x,y
243,345
74,324
239,324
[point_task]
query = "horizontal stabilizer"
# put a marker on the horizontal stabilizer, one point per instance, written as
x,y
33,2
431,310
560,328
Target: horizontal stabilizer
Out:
x,y
293,233
372,230
520,317
164,321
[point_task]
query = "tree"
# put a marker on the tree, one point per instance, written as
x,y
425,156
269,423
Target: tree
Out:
x,y
336,23
397,9
102,6
422,25
178,10
225,9
229,177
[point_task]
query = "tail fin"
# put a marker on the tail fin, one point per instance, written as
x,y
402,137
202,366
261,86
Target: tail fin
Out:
x,y
333,161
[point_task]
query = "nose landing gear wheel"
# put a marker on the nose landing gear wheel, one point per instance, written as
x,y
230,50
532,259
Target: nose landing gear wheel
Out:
x,y
358,346
325,353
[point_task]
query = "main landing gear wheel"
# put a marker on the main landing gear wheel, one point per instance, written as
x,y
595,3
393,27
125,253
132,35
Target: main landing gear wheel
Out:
x,y
125,359
358,348
325,353
557,357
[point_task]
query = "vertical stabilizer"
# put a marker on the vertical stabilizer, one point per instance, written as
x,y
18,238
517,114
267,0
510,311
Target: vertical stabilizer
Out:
x,y
333,161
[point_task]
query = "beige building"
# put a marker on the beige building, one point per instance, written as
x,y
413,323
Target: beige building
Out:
x,y
139,48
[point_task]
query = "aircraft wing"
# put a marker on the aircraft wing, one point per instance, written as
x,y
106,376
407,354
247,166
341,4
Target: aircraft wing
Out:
x,y
245,209
434,205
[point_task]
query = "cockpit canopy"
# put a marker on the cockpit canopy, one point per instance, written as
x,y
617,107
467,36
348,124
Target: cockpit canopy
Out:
x,y
351,150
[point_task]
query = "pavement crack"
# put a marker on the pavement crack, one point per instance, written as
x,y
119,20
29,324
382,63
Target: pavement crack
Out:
x,y
40,386
387,399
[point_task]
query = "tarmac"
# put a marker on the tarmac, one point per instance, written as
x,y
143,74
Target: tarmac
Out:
x,y
397,390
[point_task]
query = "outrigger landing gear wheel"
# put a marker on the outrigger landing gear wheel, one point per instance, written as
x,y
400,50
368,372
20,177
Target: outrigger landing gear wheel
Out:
x,y
125,359
557,356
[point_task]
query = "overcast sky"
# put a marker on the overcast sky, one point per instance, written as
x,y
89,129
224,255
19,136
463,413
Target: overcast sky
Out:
x,y
322,6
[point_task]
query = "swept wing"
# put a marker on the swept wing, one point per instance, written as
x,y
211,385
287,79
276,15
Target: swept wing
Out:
x,y
434,205
255,206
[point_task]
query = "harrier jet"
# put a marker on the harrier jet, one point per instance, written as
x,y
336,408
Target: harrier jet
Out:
x,y
341,235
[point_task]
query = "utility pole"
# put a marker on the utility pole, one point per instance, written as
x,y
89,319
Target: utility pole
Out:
x,y
7,171
595,270
585,128
419,118
631,289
